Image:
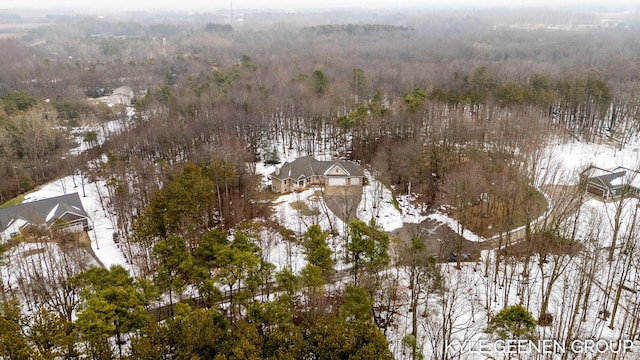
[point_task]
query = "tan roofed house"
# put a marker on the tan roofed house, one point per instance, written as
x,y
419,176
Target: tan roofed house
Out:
x,y
307,171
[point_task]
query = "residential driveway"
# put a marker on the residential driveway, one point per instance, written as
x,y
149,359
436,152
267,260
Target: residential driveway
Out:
x,y
439,240
343,201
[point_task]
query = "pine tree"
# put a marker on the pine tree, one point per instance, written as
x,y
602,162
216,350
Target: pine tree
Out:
x,y
112,304
513,322
317,249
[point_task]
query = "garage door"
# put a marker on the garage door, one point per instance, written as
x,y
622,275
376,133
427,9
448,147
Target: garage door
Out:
x,y
337,181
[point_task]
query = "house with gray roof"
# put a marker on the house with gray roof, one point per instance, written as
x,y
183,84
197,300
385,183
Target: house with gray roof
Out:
x,y
609,184
307,171
61,213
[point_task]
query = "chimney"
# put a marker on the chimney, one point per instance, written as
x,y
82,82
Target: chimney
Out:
x,y
277,171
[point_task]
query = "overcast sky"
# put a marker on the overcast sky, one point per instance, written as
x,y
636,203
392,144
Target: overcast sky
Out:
x,y
211,5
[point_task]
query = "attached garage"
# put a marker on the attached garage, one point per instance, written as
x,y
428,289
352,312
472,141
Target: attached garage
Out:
x,y
306,171
337,181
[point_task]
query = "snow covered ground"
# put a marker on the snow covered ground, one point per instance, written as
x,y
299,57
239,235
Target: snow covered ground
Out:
x,y
102,131
471,294
101,236
573,157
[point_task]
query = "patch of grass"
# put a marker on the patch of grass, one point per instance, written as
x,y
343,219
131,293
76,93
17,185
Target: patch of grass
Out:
x,y
15,201
396,204
18,199
304,208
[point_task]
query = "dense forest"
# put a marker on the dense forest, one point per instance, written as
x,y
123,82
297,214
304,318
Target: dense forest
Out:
x,y
456,109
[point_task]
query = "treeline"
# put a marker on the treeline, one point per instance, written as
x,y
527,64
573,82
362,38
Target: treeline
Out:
x,y
35,139
28,138
354,28
580,106
112,304
213,27
266,99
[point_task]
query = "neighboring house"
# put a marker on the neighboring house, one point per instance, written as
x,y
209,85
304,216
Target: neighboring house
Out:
x,y
121,96
610,183
306,171
62,212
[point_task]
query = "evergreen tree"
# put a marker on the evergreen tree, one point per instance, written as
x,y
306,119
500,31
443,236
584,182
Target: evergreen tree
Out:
x,y
13,340
357,306
272,157
513,322
113,304
317,249
319,82
367,248
184,207
52,336
174,265
238,264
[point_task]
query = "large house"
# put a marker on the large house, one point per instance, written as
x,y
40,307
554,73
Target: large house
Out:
x,y
62,212
306,171
610,183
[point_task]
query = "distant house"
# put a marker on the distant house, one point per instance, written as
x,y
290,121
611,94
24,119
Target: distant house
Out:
x,y
121,96
610,183
306,171
62,212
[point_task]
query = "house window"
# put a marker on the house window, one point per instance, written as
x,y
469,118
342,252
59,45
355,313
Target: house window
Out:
x,y
285,182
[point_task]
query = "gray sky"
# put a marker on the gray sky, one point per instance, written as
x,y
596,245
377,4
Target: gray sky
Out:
x,y
211,5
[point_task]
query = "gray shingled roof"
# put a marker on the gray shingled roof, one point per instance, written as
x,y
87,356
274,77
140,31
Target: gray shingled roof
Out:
x,y
42,211
308,166
605,178
608,180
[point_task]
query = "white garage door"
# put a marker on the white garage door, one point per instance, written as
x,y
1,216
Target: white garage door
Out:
x,y
337,181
